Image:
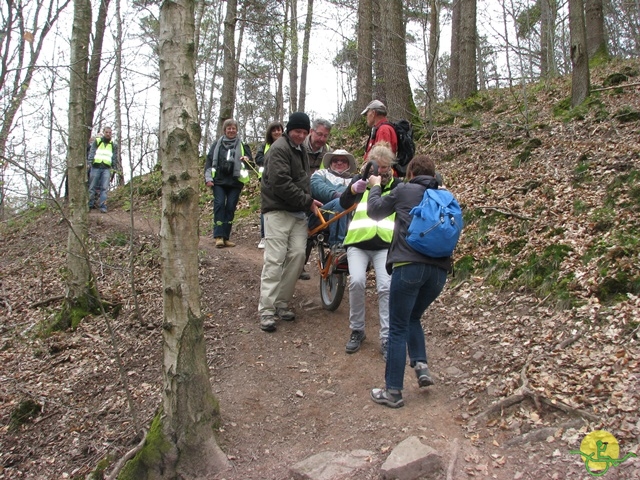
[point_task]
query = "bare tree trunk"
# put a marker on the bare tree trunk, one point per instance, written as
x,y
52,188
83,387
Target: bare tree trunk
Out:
x,y
206,118
79,282
181,442
118,92
396,76
281,68
364,81
378,26
547,38
434,48
468,36
228,95
596,35
507,46
580,81
454,68
94,64
293,64
305,55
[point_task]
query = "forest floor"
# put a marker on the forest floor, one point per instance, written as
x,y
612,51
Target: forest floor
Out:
x,y
283,396
560,199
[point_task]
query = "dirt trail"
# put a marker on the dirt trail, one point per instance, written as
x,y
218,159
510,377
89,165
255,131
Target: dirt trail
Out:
x,y
290,394
284,396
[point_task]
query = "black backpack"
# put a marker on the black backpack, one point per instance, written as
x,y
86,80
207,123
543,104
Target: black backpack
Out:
x,y
406,145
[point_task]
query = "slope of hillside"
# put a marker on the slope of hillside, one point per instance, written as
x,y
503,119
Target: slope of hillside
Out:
x,y
534,343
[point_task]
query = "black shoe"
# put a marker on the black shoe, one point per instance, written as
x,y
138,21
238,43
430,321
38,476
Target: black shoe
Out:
x,y
423,375
384,397
355,341
304,276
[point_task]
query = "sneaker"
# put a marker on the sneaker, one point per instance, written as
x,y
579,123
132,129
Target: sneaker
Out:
x,y
268,323
227,243
103,210
219,242
384,347
385,397
286,315
355,341
262,243
423,375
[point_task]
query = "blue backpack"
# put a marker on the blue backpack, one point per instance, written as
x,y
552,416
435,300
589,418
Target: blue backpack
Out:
x,y
436,224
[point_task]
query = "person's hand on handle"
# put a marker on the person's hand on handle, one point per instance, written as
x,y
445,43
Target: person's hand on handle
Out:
x,y
315,206
375,180
359,186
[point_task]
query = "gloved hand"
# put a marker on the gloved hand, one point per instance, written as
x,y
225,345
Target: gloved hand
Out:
x,y
359,186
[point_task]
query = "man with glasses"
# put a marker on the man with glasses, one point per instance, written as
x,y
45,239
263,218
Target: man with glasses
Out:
x,y
316,143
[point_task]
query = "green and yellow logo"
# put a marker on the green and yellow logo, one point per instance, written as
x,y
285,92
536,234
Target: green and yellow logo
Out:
x,y
600,451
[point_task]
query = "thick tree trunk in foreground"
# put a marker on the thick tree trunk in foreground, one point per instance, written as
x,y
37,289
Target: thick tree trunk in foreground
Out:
x,y
79,285
181,442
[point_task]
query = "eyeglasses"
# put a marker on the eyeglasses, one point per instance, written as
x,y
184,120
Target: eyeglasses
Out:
x,y
339,160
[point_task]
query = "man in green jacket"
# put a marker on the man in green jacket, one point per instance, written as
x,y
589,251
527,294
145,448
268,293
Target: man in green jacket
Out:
x,y
286,201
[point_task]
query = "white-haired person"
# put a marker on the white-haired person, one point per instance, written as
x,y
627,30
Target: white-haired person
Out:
x,y
368,240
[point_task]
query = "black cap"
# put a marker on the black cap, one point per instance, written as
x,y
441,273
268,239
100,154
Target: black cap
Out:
x,y
298,120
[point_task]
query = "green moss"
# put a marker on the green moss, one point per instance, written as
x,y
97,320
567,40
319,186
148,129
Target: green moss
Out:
x,y
101,468
117,239
463,268
539,273
579,206
150,456
624,191
627,114
72,313
602,219
615,288
26,411
581,172
515,247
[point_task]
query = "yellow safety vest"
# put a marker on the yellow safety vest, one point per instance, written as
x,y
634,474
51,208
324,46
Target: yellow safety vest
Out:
x,y
104,153
363,227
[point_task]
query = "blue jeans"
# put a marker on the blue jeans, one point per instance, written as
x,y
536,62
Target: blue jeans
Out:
x,y
338,229
99,178
413,288
225,201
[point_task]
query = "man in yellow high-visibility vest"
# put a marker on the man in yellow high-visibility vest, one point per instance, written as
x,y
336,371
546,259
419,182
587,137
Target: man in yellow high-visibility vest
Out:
x,y
103,158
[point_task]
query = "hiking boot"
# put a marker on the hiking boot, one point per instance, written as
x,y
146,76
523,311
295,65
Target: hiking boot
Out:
x,y
423,375
286,315
103,210
227,243
385,397
384,347
304,275
219,242
262,243
355,341
268,323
